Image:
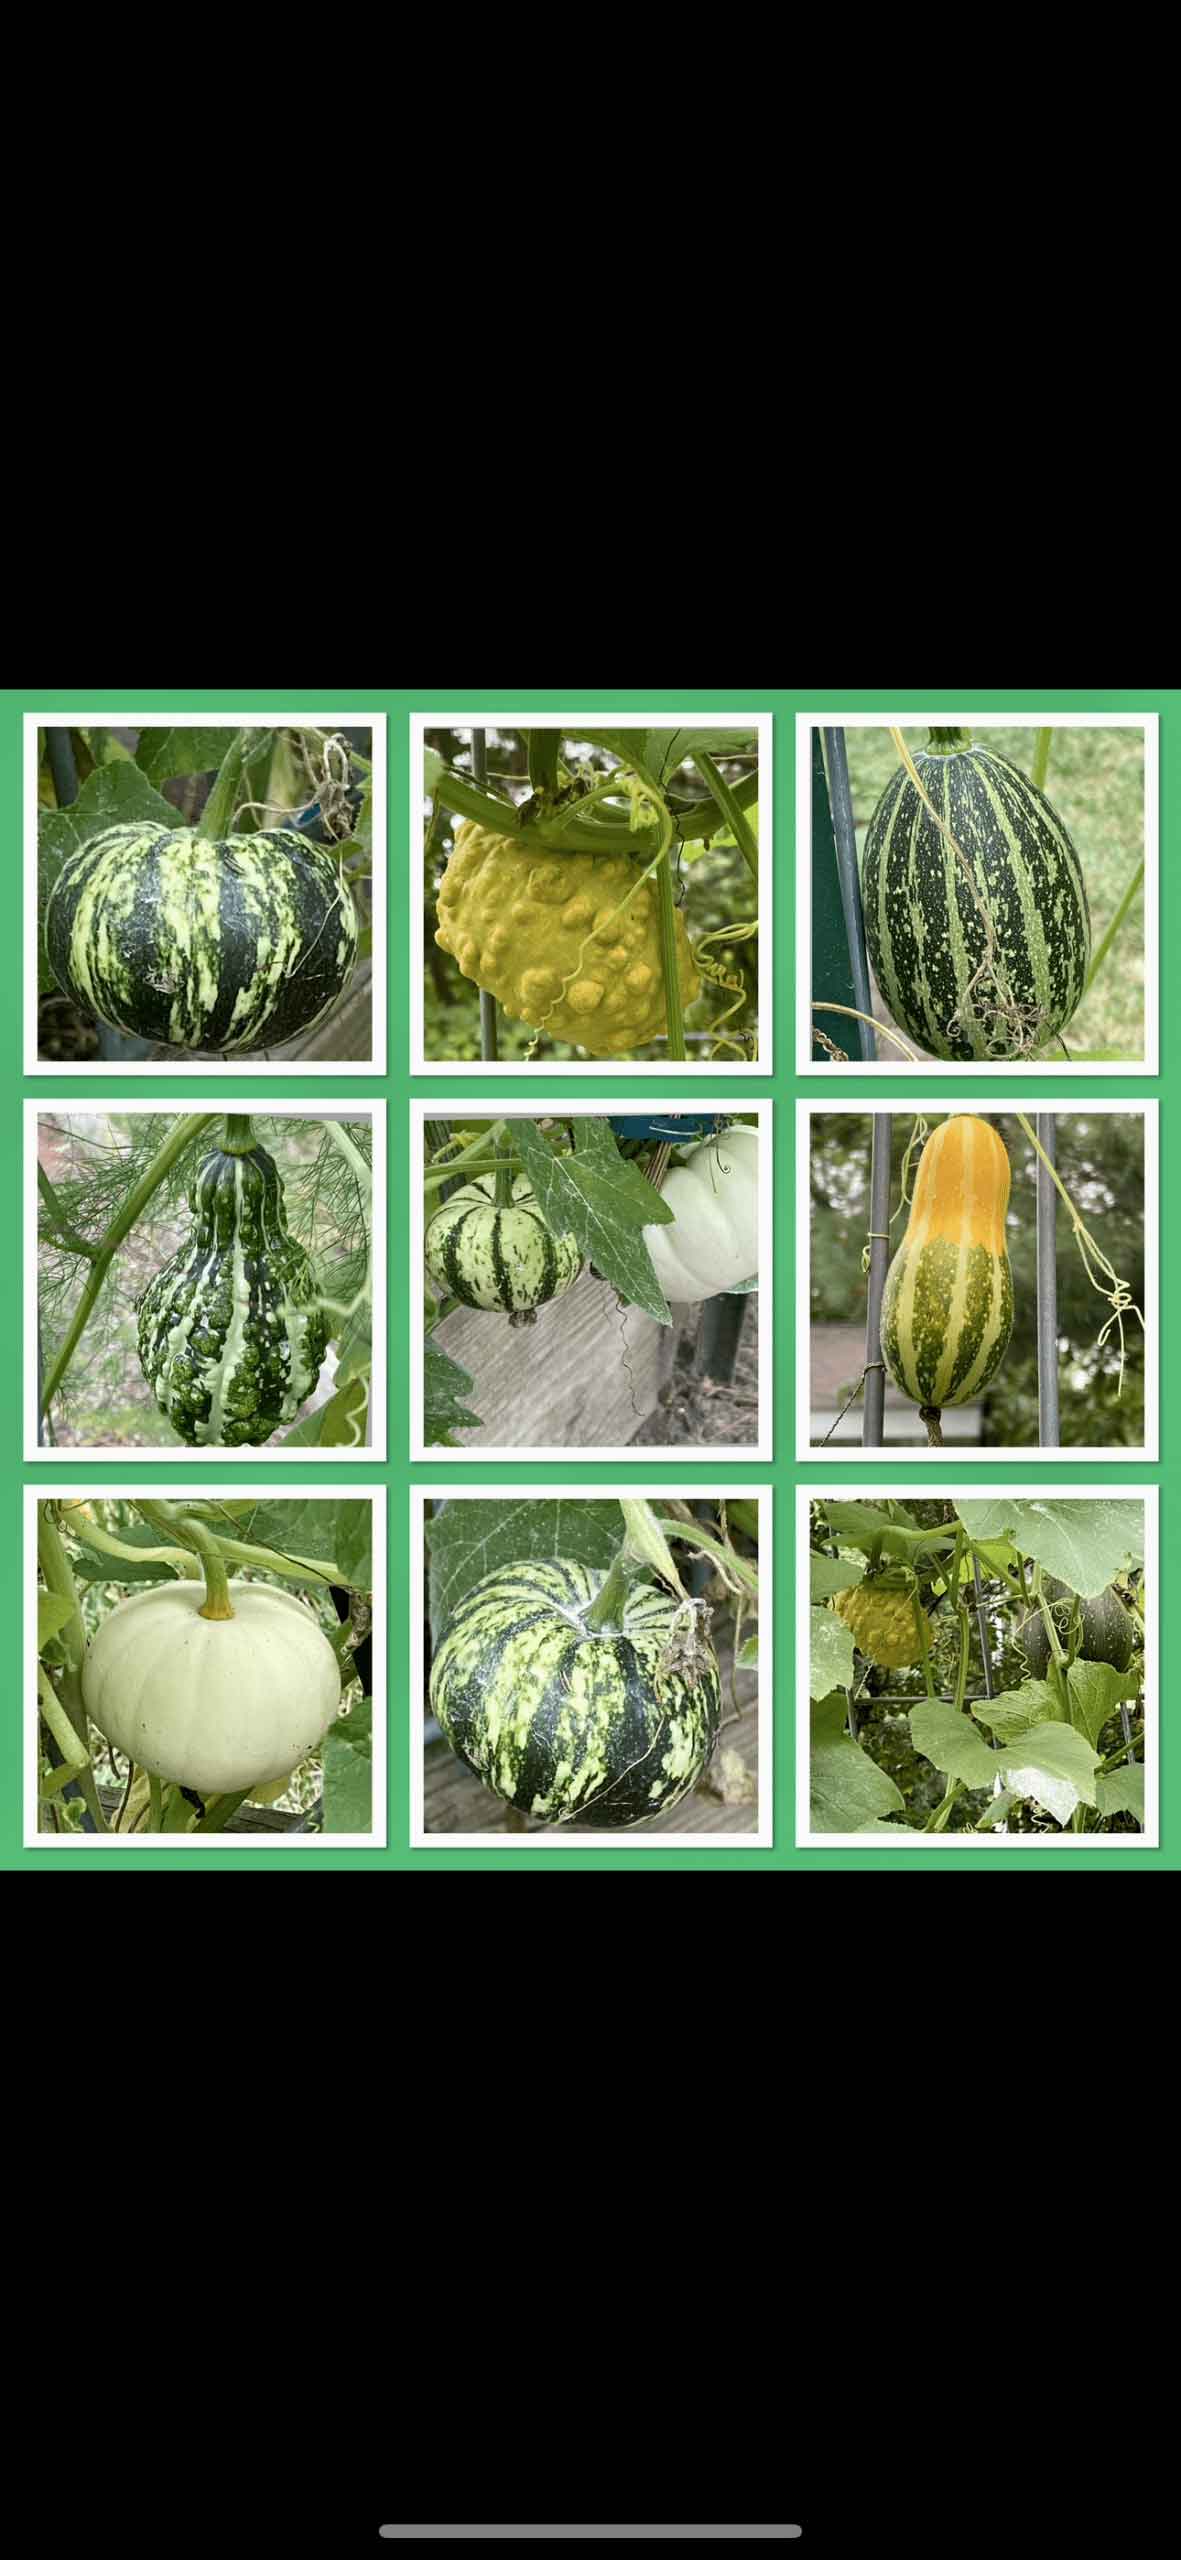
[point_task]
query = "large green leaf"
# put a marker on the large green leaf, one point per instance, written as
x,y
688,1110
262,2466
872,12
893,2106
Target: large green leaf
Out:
x,y
444,1386
1121,1791
834,1573
469,1539
1016,1710
347,1764
337,1533
831,1653
1052,1764
163,753
1095,1692
602,1200
950,1740
1085,1543
848,1790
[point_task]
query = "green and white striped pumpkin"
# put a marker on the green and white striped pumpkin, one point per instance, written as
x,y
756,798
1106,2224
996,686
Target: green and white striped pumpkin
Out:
x,y
231,1334
929,915
568,1724
218,945
947,1307
498,1258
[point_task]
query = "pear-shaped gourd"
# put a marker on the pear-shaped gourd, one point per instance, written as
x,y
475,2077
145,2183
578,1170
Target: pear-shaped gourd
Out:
x,y
947,1307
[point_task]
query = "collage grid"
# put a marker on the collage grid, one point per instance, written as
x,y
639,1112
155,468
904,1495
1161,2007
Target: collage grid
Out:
x,y
400,1088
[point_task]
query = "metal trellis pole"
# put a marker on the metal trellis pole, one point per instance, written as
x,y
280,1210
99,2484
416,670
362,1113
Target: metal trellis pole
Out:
x,y
1047,1290
873,1418
841,802
488,1042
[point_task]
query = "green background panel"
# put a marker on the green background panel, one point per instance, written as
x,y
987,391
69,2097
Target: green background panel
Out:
x,y
397,1086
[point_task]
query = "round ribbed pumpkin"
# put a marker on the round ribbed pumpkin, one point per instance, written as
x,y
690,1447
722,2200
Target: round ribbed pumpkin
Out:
x,y
947,1307
220,945
565,1723
231,1334
1107,1633
502,1259
929,915
549,936
212,1703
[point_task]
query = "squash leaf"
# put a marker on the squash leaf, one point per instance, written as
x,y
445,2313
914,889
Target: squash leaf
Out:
x,y
469,1539
1084,1543
163,753
1121,1791
444,1386
1095,1692
347,1765
603,1201
848,1790
832,1653
337,1533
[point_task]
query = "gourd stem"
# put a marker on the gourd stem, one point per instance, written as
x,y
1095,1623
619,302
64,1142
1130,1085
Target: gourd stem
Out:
x,y
193,1533
503,1180
239,1136
105,1544
348,1148
944,742
606,1610
666,907
731,809
55,1567
133,1207
295,1568
932,1416
73,1752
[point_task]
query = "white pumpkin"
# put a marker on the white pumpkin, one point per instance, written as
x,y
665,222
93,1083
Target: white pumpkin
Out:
x,y
714,1198
212,1703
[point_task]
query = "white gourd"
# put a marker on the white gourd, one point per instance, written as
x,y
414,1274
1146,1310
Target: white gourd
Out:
x,y
212,1703
714,1198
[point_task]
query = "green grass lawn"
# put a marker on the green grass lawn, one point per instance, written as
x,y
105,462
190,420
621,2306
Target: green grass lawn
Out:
x,y
1095,780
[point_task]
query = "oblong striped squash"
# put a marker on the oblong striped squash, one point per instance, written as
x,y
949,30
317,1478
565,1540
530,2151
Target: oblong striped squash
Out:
x,y
984,957
565,1723
222,945
231,1333
947,1307
503,1259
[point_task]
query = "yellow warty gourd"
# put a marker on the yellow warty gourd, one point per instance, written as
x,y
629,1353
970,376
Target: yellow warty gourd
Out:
x,y
542,933
884,1624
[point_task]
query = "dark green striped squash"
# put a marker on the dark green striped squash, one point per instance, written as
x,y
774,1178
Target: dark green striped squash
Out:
x,y
568,1724
1106,1635
221,945
231,1333
976,918
947,1306
503,1259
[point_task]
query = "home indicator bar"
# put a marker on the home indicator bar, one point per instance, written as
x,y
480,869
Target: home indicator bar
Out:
x,y
591,2532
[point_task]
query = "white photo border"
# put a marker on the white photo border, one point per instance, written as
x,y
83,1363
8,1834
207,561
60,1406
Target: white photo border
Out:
x,y
941,1843
807,1062
581,724
303,1843
739,1453
210,1064
277,1107
850,1454
762,1836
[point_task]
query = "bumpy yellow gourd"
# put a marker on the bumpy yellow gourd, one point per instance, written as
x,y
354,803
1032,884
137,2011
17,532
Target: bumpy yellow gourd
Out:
x,y
884,1623
524,924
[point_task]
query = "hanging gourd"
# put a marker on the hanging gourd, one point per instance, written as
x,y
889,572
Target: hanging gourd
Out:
x,y
216,1704
549,936
232,1336
947,1306
976,910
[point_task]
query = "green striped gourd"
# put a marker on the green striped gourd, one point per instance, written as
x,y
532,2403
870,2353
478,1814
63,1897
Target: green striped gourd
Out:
x,y
566,1723
498,1258
219,945
984,956
947,1307
231,1334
